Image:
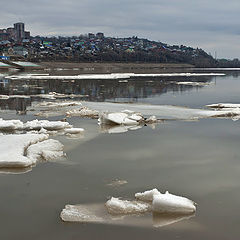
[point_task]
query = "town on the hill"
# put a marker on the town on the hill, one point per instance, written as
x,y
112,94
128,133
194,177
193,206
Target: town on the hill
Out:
x,y
18,44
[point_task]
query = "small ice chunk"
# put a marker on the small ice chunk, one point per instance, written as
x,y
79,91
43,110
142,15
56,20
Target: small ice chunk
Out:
x,y
117,206
193,83
5,97
10,125
147,196
121,118
47,150
74,213
48,125
117,182
151,120
74,130
83,112
171,203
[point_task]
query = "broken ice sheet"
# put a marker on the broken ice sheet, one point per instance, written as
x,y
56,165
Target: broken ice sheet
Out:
x,y
165,208
21,151
97,213
162,111
224,105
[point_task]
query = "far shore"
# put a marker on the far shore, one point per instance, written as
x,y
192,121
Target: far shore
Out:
x,y
115,67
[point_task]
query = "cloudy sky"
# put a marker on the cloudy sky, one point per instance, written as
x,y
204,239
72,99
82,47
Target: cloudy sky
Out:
x,y
209,24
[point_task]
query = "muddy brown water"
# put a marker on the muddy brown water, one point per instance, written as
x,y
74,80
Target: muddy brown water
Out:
x,y
199,160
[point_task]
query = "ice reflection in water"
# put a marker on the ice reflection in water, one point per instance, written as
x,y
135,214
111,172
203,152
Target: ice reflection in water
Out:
x,y
92,90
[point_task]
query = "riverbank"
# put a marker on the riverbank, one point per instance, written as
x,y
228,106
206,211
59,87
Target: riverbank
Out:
x,y
116,67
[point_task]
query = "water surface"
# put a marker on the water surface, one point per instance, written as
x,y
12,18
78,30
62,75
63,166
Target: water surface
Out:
x,y
199,160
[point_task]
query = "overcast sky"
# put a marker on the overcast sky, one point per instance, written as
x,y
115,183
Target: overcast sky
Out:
x,y
209,24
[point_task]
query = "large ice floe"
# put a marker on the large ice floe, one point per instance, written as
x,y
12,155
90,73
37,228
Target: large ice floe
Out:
x,y
110,111
24,150
121,117
224,105
111,76
40,127
14,125
165,209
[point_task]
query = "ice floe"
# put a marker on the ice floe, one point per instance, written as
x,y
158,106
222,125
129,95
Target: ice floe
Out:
x,y
121,118
81,213
161,112
224,105
83,112
24,150
193,83
117,183
96,213
171,203
112,76
165,208
47,150
59,104
13,125
158,203
74,130
4,97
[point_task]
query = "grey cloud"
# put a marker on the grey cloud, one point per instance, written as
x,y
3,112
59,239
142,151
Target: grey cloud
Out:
x,y
201,23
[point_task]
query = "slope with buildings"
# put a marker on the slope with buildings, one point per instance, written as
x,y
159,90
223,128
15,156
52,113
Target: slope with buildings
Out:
x,y
17,43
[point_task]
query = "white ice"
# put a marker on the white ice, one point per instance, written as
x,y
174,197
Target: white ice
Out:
x,y
83,112
13,125
171,203
115,76
118,206
224,105
193,83
161,111
157,202
166,209
47,150
23,150
121,118
147,195
96,213
59,104
74,213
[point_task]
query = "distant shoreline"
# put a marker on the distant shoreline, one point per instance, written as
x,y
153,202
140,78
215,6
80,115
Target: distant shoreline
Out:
x,y
114,67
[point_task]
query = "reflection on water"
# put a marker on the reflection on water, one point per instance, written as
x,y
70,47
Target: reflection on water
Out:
x,y
94,90
195,159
